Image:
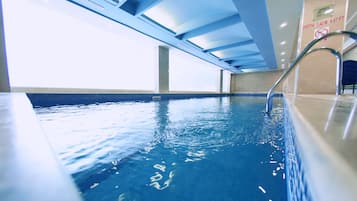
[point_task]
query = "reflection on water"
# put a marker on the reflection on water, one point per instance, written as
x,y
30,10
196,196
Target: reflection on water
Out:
x,y
194,149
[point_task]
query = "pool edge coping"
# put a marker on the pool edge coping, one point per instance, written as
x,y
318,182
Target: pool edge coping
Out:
x,y
329,176
27,156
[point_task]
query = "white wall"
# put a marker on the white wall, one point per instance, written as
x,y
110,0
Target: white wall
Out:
x,y
257,82
69,47
351,54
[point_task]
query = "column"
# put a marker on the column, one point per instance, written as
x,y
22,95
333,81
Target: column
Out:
x,y
163,69
4,75
221,81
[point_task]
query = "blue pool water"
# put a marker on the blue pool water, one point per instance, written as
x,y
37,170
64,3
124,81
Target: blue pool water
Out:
x,y
192,149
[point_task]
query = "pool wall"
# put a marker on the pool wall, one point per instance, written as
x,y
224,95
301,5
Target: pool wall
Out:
x,y
297,186
52,99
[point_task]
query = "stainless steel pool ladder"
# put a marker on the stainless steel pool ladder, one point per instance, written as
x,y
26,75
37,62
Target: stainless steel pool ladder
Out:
x,y
305,52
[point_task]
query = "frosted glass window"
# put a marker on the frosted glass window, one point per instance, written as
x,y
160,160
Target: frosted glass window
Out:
x,y
59,44
226,81
189,73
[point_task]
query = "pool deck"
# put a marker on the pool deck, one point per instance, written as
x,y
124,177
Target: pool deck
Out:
x,y
326,128
29,169
326,133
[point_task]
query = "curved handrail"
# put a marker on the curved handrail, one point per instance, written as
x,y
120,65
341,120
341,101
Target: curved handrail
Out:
x,y
338,56
268,104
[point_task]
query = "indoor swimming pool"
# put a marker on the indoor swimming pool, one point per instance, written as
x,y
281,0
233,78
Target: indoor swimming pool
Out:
x,y
222,148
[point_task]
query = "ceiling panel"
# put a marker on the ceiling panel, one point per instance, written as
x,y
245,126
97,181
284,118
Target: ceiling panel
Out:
x,y
221,32
250,59
236,51
221,37
247,61
184,15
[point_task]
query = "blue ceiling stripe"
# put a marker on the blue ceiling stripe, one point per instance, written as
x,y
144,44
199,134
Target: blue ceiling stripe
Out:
x,y
257,23
230,46
146,5
247,62
103,8
128,6
234,19
253,66
121,3
116,3
240,56
150,21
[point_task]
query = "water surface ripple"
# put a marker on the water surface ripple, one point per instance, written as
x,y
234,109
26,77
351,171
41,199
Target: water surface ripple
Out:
x,y
194,149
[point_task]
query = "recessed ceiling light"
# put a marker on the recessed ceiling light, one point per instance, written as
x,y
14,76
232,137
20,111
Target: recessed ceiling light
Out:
x,y
284,24
282,53
283,42
282,60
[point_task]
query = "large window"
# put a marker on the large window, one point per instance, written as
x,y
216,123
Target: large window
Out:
x,y
188,73
59,44
56,44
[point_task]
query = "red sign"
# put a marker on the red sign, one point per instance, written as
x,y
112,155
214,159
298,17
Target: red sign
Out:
x,y
318,33
324,22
